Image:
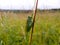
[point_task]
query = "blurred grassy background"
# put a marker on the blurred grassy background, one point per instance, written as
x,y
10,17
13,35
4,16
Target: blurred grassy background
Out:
x,y
46,30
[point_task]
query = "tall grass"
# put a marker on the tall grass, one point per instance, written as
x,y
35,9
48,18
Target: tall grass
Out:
x,y
46,30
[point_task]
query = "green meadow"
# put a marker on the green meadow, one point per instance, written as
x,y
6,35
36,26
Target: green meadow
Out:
x,y
46,29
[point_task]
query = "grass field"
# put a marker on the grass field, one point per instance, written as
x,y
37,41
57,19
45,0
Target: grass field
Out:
x,y
46,30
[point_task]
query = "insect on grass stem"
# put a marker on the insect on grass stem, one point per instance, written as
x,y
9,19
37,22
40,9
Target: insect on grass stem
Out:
x,y
35,11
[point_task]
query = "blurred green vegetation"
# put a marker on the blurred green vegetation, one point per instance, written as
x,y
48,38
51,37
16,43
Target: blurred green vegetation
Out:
x,y
46,30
